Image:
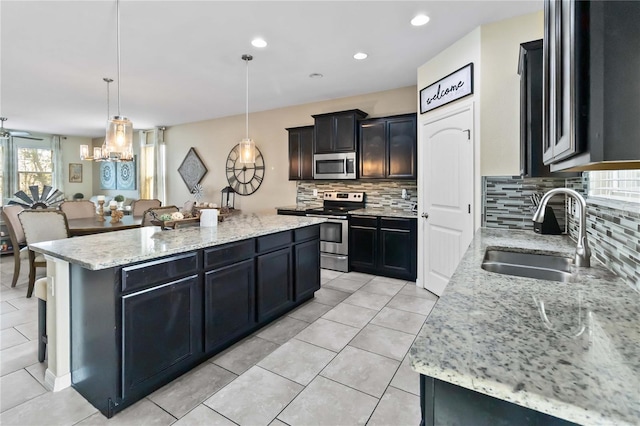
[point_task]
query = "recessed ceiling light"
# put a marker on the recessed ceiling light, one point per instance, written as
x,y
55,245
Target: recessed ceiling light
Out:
x,y
258,42
419,20
315,75
360,55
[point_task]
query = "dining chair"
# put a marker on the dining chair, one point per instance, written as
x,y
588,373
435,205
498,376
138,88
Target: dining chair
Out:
x,y
147,217
138,207
78,209
16,235
38,226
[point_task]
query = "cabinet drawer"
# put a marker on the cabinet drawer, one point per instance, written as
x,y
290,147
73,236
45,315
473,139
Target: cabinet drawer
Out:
x,y
228,254
307,233
369,221
145,274
395,223
274,241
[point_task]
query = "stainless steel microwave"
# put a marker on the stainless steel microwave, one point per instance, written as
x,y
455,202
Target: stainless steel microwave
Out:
x,y
339,165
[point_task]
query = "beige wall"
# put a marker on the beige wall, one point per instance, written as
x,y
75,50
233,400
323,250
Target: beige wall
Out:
x,y
500,86
71,154
213,139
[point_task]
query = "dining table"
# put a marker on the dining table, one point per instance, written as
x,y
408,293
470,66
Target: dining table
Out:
x,y
91,225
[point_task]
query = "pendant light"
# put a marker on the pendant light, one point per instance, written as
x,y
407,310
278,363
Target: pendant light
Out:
x,y
247,145
119,140
99,153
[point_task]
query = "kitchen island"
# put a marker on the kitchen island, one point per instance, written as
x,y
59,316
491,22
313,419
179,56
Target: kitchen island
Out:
x,y
504,347
129,311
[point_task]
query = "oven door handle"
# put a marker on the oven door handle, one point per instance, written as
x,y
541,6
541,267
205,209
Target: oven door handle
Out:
x,y
324,216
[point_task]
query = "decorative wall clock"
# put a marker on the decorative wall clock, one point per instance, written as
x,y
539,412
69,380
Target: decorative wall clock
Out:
x,y
244,178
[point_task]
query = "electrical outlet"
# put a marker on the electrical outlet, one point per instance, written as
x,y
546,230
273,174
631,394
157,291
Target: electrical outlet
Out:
x,y
315,192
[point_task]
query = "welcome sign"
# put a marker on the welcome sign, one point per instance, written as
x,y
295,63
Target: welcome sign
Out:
x,y
456,85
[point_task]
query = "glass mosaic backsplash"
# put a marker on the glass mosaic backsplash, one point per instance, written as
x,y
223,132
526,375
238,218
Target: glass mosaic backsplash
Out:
x,y
613,228
378,193
507,201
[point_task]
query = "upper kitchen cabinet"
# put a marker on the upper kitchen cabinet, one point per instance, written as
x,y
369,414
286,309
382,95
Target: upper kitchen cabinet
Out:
x,y
337,131
387,147
591,86
300,153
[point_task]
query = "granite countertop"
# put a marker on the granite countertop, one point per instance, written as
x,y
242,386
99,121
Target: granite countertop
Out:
x,y
383,211
299,207
110,249
571,350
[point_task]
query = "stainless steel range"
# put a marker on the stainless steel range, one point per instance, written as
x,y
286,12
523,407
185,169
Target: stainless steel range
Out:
x,y
334,233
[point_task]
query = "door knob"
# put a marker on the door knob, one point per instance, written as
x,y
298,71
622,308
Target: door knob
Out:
x,y
425,215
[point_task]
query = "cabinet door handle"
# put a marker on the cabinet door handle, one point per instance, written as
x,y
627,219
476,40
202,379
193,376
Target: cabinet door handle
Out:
x,y
405,231
425,215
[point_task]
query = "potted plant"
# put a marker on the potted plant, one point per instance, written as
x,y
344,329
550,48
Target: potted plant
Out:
x,y
78,196
120,200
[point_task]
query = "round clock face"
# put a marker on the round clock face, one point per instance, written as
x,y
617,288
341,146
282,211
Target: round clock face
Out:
x,y
244,178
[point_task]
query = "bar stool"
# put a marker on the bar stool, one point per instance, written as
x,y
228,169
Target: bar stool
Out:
x,y
41,293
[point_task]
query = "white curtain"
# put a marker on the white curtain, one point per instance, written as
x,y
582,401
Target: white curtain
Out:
x,y
57,180
9,170
152,164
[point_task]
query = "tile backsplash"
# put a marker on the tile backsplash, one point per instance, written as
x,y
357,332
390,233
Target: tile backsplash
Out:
x,y
613,227
507,203
383,193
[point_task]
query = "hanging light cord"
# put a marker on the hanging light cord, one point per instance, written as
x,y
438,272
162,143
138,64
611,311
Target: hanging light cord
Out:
x,y
247,100
118,48
108,81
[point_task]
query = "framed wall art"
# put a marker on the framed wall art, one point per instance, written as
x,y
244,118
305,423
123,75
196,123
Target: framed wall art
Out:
x,y
456,85
107,175
75,173
126,175
192,169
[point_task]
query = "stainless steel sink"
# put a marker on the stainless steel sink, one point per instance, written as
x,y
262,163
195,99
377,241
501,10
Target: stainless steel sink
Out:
x,y
528,265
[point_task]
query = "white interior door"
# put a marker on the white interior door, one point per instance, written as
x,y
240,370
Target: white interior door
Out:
x,y
447,191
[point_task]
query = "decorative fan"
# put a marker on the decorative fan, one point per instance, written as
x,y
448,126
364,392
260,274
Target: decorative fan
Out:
x,y
48,198
198,192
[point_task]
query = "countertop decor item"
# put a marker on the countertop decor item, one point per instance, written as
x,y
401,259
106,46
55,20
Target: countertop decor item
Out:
x,y
244,178
192,169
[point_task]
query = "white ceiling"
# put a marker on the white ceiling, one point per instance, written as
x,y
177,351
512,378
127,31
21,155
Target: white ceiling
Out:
x,y
181,60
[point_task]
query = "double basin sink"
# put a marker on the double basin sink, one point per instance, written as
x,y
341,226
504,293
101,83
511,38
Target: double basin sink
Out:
x,y
528,265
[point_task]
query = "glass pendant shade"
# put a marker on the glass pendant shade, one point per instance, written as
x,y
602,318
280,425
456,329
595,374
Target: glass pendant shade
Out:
x,y
84,152
247,151
97,153
119,140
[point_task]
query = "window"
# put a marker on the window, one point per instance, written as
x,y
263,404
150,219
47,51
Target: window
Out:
x,y
623,185
35,167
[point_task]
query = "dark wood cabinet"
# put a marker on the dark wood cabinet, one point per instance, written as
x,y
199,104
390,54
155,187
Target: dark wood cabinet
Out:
x,y
136,328
229,303
307,269
300,153
274,283
444,403
363,241
590,101
530,71
161,332
387,147
384,246
336,131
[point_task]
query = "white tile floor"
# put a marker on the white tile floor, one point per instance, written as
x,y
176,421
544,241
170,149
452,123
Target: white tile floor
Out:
x,y
340,359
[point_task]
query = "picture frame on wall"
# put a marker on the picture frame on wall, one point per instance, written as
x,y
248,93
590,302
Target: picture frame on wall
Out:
x,y
75,173
126,175
454,86
107,175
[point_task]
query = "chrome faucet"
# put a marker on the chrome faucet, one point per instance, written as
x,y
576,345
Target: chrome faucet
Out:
x,y
583,253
